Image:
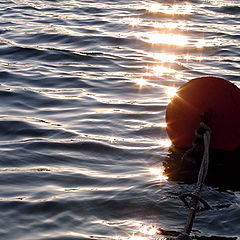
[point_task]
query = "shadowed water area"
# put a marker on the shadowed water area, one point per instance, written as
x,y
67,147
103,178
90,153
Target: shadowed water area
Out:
x,y
84,87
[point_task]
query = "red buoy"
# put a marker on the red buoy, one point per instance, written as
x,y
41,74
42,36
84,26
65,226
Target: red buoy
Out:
x,y
213,95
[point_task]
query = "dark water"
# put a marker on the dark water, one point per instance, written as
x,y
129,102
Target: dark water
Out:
x,y
84,87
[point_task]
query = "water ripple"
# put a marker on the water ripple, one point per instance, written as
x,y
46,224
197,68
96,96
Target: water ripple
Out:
x,y
84,87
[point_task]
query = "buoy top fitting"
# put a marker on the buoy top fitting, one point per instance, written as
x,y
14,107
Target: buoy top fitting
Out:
x,y
217,97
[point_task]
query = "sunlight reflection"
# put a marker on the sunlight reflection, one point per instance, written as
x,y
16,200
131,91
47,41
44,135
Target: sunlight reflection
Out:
x,y
210,42
133,21
159,173
196,58
221,3
153,7
116,238
187,57
159,71
163,124
171,91
164,142
199,58
149,230
140,231
161,38
141,82
133,237
112,139
164,57
169,25
171,10
178,76
146,230
201,43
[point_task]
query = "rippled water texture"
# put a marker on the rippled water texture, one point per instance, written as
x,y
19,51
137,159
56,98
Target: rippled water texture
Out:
x,y
84,87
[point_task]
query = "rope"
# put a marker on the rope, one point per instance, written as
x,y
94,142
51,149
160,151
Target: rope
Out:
x,y
195,196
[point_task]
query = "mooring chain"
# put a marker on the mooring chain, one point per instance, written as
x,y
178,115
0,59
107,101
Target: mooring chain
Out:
x,y
195,196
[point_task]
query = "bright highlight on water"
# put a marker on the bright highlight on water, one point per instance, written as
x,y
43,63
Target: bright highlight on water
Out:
x,y
84,87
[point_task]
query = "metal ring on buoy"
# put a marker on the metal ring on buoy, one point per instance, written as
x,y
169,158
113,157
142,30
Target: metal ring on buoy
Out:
x,y
216,96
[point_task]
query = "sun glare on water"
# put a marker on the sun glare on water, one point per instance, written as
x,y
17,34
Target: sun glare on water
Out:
x,y
133,237
158,173
158,71
146,230
163,38
166,143
163,124
201,43
150,230
175,9
134,21
171,91
168,25
141,82
163,57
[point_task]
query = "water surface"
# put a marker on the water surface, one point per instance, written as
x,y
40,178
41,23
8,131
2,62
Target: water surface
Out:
x,y
84,87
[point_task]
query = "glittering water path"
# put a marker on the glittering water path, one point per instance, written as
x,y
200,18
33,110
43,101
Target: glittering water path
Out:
x,y
84,87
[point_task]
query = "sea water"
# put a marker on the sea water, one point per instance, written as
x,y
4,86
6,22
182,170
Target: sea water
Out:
x,y
84,86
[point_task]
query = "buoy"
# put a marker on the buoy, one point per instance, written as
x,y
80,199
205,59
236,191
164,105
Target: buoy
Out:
x,y
217,97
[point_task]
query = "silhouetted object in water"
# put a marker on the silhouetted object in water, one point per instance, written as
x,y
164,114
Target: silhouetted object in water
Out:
x,y
223,171
173,234
216,96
